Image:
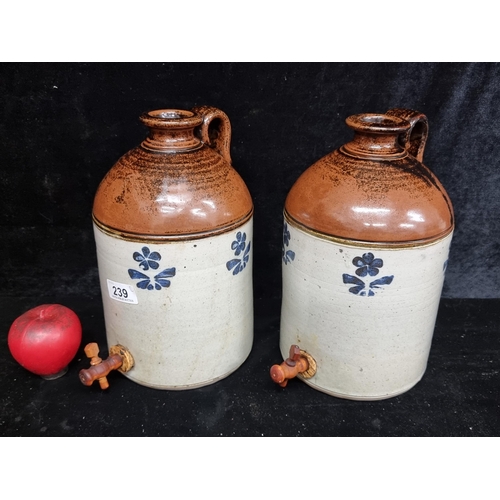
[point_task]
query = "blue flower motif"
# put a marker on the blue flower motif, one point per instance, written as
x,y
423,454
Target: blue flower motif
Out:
x,y
239,244
286,234
360,284
445,265
237,265
147,259
352,280
367,265
159,280
286,255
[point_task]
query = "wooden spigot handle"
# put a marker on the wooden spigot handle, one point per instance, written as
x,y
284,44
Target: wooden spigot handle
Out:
x,y
119,359
100,371
298,362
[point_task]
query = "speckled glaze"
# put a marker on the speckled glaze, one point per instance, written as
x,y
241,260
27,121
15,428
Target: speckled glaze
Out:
x,y
174,185
173,230
365,248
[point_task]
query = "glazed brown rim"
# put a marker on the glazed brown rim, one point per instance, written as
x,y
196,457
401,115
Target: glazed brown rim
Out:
x,y
171,119
377,123
153,238
390,245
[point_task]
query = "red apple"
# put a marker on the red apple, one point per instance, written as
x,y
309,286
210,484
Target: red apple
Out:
x,y
45,339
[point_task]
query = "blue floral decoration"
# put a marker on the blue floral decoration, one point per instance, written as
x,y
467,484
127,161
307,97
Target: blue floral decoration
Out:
x,y
149,260
239,246
367,265
286,255
445,265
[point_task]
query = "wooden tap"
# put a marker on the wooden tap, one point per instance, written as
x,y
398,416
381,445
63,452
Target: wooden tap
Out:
x,y
119,359
298,362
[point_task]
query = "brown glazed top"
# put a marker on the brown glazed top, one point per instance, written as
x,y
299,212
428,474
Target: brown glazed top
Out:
x,y
373,189
178,182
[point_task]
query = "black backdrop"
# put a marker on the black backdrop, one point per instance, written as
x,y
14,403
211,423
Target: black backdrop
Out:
x,y
62,126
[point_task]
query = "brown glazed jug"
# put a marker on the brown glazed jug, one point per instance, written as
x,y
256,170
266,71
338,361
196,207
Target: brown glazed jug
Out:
x,y
173,230
366,237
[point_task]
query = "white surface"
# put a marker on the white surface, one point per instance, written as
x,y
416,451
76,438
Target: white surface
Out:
x,y
122,292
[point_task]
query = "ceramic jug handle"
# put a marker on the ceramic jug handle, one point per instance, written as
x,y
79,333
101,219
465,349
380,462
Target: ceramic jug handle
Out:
x,y
414,140
217,137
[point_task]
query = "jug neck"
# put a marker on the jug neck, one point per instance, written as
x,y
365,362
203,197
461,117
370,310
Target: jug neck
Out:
x,y
376,136
171,130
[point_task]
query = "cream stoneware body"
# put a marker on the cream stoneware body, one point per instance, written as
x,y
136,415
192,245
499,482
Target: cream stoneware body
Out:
x,y
370,341
191,326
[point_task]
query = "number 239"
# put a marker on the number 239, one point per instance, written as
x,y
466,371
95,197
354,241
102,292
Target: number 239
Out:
x,y
120,292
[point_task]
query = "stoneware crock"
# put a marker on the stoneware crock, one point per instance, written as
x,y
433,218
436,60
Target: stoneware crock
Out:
x,y
173,230
366,236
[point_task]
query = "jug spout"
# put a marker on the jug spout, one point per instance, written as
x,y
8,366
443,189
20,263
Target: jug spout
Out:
x,y
376,135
